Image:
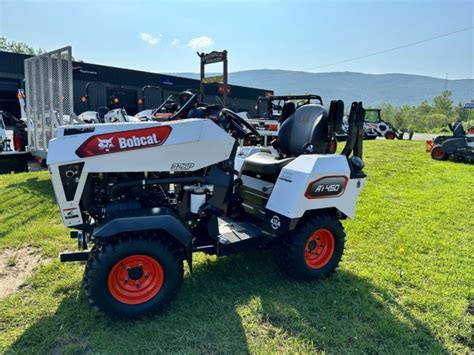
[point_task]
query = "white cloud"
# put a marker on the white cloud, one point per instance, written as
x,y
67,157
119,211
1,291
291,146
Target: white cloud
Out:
x,y
175,42
148,38
198,43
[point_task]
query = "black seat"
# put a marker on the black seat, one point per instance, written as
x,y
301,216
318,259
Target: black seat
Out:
x,y
287,110
101,112
305,131
335,115
457,129
265,165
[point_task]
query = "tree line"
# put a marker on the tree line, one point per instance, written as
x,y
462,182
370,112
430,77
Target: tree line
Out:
x,y
427,117
18,47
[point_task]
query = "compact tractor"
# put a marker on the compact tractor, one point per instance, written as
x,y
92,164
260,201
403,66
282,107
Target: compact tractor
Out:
x,y
143,197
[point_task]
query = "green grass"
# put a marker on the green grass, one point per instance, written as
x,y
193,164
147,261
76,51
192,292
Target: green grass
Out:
x,y
405,285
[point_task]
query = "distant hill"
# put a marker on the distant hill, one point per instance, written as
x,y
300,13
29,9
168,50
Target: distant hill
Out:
x,y
397,89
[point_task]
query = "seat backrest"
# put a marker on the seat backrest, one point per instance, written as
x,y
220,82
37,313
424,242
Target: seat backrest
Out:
x,y
335,115
287,110
102,111
355,133
307,126
457,129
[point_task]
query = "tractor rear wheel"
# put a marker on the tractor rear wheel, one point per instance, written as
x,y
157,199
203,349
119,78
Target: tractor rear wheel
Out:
x,y
133,277
313,250
437,153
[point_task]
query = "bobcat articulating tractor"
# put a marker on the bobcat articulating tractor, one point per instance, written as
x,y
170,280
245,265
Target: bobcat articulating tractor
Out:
x,y
142,197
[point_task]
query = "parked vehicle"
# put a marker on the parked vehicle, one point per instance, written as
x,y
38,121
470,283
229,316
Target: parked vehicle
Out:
x,y
374,126
273,110
459,146
10,161
4,141
147,195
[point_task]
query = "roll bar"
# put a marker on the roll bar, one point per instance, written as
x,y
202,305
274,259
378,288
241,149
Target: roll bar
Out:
x,y
168,99
286,98
185,108
355,134
150,87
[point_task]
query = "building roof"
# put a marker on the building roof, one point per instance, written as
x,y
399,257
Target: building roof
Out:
x,y
13,63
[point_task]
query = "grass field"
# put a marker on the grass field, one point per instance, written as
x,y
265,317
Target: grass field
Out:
x,y
405,285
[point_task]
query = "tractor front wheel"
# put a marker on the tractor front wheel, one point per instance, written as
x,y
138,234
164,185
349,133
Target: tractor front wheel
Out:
x,y
437,153
133,277
313,250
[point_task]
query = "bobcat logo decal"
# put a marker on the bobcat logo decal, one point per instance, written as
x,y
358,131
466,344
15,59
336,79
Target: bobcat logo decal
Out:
x,y
105,144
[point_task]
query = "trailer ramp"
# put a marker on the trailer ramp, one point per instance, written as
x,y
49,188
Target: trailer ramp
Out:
x,y
49,97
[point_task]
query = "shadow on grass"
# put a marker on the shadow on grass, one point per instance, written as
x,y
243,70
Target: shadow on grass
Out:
x,y
34,186
23,203
241,304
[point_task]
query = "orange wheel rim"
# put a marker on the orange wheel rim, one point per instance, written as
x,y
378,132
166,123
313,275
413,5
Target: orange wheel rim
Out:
x,y
438,153
135,279
319,248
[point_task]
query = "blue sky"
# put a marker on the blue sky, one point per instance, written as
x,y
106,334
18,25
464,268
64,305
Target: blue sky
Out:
x,y
163,36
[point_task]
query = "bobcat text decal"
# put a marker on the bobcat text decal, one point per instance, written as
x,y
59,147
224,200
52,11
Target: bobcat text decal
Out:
x,y
115,142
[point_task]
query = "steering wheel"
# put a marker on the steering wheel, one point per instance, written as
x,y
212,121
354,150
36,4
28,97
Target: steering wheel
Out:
x,y
240,125
183,111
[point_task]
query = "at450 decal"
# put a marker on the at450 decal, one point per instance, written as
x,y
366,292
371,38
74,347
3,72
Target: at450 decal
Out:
x,y
115,142
329,186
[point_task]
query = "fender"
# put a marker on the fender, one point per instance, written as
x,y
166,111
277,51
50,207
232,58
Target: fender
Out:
x,y
145,220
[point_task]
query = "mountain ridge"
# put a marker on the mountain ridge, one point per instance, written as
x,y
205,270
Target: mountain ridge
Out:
x,y
373,89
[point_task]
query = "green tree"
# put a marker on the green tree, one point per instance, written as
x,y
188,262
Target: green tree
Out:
x,y
460,114
436,120
443,104
18,47
405,117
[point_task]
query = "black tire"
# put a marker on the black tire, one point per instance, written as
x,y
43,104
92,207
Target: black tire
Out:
x,y
437,153
107,257
390,135
290,251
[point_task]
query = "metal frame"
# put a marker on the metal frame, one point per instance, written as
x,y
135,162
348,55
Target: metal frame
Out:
x,y
272,98
49,96
211,58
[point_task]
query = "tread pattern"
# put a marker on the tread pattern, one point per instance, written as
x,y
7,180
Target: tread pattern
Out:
x,y
289,249
103,249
